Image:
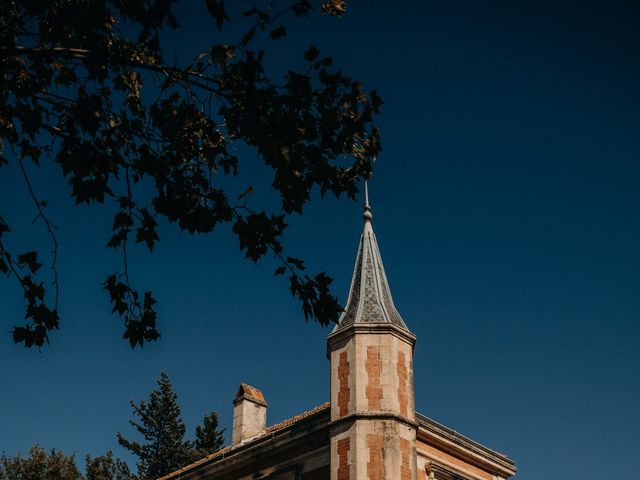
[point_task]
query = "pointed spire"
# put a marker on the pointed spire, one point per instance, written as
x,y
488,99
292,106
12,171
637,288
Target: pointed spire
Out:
x,y
370,298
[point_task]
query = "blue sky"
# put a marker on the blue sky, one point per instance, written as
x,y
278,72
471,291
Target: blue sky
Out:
x,y
506,205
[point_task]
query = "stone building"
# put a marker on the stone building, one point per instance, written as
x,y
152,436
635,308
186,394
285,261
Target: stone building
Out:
x,y
370,429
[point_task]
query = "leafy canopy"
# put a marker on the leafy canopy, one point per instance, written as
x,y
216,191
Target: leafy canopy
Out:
x,y
107,467
55,465
85,84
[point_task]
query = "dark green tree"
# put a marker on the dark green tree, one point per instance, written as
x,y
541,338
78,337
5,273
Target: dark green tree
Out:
x,y
39,465
208,438
164,448
107,467
85,84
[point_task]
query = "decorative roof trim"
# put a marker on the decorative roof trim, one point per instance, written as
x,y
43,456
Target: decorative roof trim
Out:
x,y
451,441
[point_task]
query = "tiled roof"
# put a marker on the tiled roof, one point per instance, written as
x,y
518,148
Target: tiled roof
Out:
x,y
370,298
270,430
286,423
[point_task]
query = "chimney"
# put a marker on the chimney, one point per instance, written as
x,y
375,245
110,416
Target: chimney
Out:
x,y
249,414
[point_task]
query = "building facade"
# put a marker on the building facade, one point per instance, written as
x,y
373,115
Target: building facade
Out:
x,y
369,430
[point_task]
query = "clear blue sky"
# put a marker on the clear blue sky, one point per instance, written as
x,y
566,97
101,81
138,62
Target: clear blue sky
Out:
x,y
507,208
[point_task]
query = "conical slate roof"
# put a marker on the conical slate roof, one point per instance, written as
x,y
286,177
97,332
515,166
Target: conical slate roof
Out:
x,y
369,296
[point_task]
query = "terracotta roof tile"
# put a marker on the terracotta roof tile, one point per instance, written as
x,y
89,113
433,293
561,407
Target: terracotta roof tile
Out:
x,y
296,419
270,430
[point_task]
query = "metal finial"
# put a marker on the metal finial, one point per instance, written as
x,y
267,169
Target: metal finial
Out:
x,y
367,215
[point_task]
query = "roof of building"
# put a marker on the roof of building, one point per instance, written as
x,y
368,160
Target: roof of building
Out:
x,y
370,298
269,431
425,424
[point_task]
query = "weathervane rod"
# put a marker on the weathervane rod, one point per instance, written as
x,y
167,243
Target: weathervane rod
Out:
x,y
366,194
367,215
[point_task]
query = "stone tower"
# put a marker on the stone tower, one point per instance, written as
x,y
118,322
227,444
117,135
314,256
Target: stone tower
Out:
x,y
373,427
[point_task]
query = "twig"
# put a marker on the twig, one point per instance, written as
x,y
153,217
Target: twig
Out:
x,y
50,228
133,301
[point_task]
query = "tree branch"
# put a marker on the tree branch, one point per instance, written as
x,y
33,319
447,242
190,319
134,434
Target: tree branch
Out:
x,y
84,54
50,228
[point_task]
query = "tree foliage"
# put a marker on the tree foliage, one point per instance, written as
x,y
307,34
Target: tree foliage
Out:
x,y
209,438
39,465
165,448
55,465
86,84
107,467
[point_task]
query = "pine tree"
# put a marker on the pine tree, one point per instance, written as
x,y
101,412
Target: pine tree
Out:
x,y
208,438
165,448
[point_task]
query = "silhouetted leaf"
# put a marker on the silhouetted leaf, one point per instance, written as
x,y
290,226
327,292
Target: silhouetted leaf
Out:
x,y
299,264
301,8
311,53
146,232
31,260
247,37
277,33
259,232
218,12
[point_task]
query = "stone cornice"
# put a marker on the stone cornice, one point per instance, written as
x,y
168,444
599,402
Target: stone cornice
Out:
x,y
373,416
450,441
370,329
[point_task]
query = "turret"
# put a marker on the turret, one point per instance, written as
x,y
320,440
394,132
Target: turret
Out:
x,y
373,428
